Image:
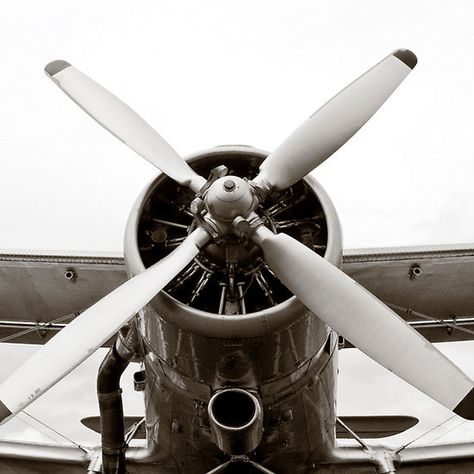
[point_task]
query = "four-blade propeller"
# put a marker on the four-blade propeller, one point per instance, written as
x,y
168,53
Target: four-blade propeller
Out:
x,y
330,294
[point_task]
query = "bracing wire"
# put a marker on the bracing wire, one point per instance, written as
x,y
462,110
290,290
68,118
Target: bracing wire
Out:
x,y
39,327
449,431
36,428
426,317
425,433
53,430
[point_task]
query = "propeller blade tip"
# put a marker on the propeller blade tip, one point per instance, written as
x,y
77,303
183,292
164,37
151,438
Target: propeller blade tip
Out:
x,y
465,408
406,56
56,66
4,412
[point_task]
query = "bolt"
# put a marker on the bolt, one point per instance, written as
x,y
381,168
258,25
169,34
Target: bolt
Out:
x,y
415,271
229,185
241,225
159,236
288,415
197,206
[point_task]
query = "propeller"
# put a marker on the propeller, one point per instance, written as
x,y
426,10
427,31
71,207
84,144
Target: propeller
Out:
x,y
88,331
366,322
335,298
120,120
334,123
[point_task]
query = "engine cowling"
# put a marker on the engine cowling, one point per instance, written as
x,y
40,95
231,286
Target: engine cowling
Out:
x,y
228,290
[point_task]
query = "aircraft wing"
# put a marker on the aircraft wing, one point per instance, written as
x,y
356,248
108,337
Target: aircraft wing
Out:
x,y
430,287
433,459
28,458
22,458
41,292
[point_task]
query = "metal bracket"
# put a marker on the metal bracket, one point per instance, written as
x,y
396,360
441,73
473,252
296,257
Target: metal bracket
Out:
x,y
216,173
95,464
197,208
261,468
450,329
383,460
239,458
247,226
261,190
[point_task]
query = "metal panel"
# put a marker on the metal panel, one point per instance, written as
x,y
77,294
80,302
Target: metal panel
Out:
x,y
34,290
423,285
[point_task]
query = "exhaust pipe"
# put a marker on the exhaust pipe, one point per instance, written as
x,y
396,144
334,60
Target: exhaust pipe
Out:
x,y
236,420
110,400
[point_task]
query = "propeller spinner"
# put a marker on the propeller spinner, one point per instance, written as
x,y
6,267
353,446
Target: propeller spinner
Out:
x,y
330,294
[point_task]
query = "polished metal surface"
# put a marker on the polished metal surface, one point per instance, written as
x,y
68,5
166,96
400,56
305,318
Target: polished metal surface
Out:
x,y
229,197
236,420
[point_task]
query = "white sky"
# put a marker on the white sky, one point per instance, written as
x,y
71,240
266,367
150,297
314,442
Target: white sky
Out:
x,y
218,72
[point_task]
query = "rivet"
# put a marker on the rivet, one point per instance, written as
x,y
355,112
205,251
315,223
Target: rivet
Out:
x,y
70,275
175,427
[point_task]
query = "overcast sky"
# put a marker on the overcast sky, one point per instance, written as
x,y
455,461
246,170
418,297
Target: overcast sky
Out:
x,y
218,72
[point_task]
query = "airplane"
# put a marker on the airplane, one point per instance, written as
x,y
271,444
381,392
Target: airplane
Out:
x,y
235,298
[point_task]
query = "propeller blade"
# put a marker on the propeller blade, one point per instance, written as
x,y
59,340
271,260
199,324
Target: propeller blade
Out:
x,y
79,339
120,120
334,123
366,322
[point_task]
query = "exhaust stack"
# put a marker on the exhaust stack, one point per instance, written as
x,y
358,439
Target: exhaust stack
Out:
x,y
236,420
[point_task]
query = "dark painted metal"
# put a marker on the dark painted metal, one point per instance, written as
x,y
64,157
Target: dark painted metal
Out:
x,y
93,423
112,427
466,407
4,411
109,393
292,370
374,426
407,57
56,66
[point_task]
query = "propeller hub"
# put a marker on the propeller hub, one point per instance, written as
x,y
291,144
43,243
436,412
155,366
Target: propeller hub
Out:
x,y
229,197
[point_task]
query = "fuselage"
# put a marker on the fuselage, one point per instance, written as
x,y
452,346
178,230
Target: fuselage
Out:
x,y
292,369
